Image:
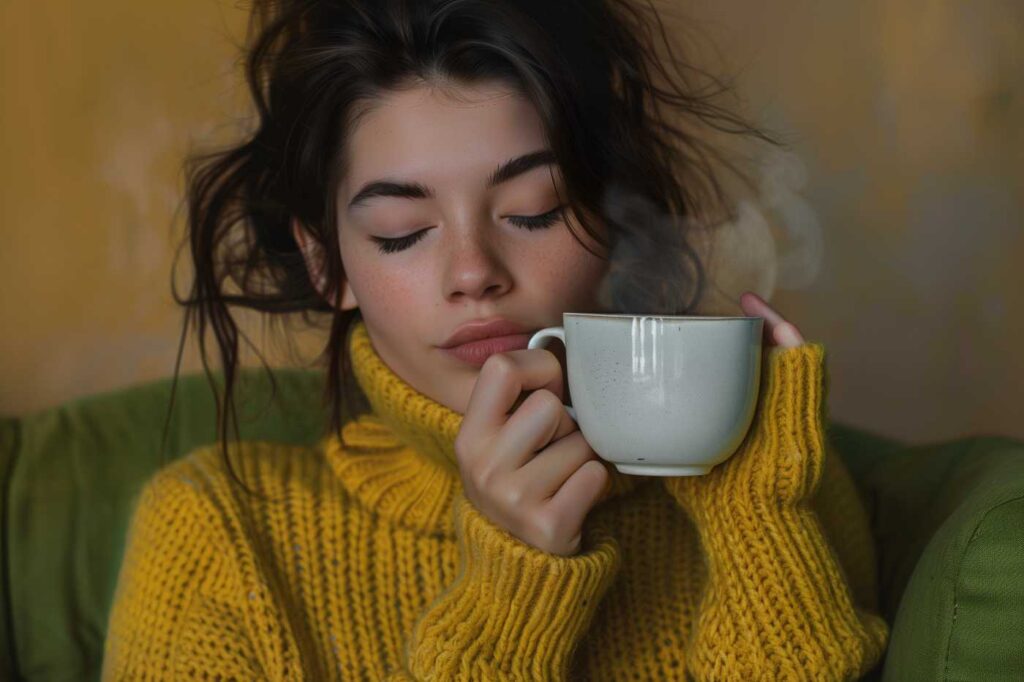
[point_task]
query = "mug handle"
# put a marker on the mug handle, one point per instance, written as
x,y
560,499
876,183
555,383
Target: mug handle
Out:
x,y
541,339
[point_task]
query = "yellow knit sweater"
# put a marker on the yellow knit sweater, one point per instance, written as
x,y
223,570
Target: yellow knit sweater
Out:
x,y
367,562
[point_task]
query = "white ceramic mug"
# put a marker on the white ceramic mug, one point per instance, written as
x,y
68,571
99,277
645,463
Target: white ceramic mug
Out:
x,y
661,395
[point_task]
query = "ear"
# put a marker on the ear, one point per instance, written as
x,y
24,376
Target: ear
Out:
x,y
313,255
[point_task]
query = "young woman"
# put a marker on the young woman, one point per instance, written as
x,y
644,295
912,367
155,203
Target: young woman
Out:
x,y
420,167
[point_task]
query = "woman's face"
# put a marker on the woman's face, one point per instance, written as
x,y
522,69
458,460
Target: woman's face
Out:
x,y
471,262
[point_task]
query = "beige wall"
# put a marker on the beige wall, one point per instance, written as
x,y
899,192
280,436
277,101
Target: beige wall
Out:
x,y
906,122
891,231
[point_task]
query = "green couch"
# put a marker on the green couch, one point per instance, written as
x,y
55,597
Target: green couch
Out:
x,y
948,518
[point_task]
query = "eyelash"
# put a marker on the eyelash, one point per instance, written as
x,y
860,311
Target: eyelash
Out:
x,y
534,222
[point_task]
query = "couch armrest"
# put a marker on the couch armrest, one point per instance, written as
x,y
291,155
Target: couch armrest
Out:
x,y
949,522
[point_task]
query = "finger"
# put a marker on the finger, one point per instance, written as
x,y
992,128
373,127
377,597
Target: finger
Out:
x,y
754,306
787,335
578,495
503,377
777,330
540,420
757,306
544,475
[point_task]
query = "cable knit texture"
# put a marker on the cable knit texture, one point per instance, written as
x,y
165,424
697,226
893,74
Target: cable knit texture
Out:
x,y
364,560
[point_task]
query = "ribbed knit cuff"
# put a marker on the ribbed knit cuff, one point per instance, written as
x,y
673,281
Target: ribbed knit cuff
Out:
x,y
780,461
514,611
776,604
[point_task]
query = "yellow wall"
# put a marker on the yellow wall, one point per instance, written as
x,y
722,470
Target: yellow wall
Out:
x,y
891,231
906,119
101,102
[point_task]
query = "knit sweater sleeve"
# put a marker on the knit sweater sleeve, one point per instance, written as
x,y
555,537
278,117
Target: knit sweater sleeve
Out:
x,y
776,603
514,612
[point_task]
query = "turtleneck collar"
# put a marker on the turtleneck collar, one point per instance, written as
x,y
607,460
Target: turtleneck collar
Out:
x,y
400,460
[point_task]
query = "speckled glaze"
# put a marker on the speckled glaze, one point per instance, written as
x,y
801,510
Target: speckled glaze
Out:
x,y
661,395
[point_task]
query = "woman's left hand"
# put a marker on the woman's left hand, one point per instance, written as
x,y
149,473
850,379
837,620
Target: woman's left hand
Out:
x,y
777,331
779,457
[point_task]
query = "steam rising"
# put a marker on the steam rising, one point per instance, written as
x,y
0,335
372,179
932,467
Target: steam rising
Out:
x,y
772,241
649,272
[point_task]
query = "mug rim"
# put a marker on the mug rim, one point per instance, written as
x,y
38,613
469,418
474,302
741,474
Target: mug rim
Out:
x,y
674,318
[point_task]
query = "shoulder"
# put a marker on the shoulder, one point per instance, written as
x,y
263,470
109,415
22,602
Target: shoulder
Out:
x,y
194,543
206,476
198,510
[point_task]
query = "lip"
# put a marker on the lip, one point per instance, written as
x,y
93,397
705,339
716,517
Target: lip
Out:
x,y
477,352
484,329
474,342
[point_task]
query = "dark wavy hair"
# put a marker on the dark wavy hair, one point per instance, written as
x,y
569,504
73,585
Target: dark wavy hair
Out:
x,y
615,113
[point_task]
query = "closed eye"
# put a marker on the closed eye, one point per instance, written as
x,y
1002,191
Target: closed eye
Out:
x,y
533,222
537,222
386,245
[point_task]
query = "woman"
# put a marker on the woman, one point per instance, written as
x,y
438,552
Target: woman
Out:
x,y
423,164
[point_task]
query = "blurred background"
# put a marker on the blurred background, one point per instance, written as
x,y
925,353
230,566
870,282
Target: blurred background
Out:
x,y
890,228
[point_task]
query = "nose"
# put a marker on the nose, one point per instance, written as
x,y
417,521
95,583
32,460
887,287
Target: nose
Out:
x,y
475,268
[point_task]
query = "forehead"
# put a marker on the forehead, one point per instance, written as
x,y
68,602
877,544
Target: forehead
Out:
x,y
433,134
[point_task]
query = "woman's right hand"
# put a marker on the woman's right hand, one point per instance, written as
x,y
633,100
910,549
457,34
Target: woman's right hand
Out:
x,y
531,472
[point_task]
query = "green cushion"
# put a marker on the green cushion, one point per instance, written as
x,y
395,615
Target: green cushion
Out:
x,y
949,522
8,444
76,472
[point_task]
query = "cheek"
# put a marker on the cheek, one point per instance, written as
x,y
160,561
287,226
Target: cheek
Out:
x,y
389,295
584,282
380,290
567,268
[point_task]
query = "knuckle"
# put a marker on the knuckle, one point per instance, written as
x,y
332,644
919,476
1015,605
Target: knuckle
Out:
x,y
600,470
545,401
511,496
499,365
551,401
465,446
544,528
548,356
480,478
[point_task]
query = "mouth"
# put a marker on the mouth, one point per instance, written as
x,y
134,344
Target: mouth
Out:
x,y
476,352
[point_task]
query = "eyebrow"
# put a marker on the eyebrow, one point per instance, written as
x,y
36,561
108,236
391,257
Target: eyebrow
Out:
x,y
415,190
